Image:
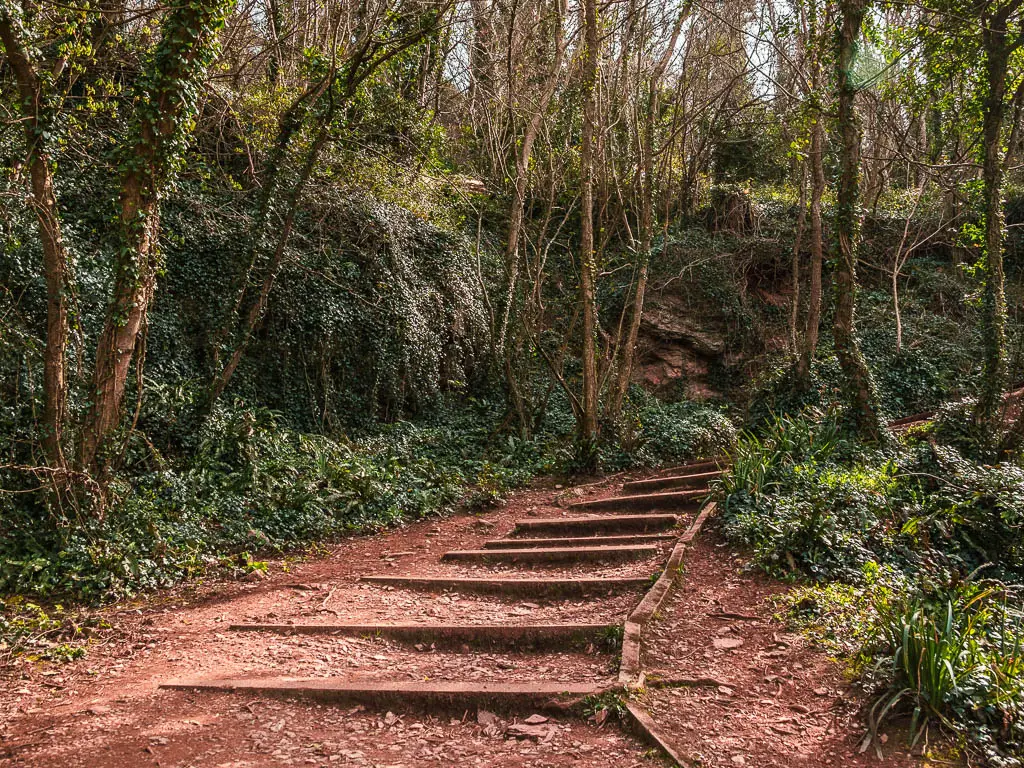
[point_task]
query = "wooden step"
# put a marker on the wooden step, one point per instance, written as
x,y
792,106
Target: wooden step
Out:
x,y
698,482
550,555
538,588
594,524
690,500
387,694
696,468
580,541
563,636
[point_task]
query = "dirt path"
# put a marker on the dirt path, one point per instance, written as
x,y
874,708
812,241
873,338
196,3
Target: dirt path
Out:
x,y
109,709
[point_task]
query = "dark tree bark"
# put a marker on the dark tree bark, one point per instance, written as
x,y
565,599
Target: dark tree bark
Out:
x,y
798,242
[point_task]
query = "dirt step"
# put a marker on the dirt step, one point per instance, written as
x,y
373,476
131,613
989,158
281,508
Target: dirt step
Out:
x,y
456,696
698,481
690,500
594,524
580,541
550,555
561,636
540,588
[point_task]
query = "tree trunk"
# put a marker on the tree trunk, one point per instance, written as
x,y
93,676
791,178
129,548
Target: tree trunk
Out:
x,y
587,418
167,102
254,315
481,56
36,117
810,341
801,221
860,388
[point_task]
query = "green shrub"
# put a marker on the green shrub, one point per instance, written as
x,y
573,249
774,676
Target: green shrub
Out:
x,y
829,523
788,498
842,616
975,512
653,433
785,442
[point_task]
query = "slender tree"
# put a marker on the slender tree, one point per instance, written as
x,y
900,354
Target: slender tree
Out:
x,y
37,110
587,419
648,150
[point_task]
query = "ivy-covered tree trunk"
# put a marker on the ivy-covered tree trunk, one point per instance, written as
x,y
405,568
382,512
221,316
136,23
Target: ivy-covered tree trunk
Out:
x,y
860,388
37,115
587,417
166,103
313,113
997,49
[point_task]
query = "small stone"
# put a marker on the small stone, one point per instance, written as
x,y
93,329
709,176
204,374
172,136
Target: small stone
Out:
x,y
535,720
727,643
523,731
738,760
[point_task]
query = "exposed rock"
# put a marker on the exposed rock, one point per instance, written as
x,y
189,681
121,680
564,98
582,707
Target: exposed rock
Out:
x,y
667,320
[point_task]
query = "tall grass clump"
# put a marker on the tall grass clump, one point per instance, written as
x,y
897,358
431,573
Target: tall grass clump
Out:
x,y
953,658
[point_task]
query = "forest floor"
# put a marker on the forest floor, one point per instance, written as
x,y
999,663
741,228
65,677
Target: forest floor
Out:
x,y
775,700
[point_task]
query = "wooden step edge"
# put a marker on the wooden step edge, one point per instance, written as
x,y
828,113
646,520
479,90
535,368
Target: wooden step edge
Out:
x,y
578,541
696,482
537,588
551,555
566,636
598,520
460,695
665,500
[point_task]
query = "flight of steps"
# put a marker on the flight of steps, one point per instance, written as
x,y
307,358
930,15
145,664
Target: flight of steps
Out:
x,y
642,522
